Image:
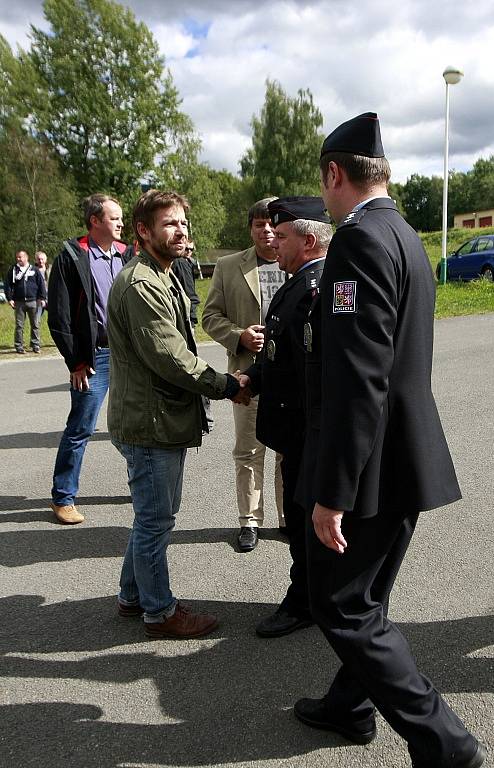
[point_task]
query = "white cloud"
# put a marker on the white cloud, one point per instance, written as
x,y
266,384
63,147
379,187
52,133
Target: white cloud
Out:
x,y
378,55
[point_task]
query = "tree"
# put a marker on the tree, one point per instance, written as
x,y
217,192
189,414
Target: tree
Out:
x,y
422,202
285,145
110,107
38,206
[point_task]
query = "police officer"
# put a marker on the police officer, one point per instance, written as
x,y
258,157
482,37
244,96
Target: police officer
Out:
x,y
374,435
302,235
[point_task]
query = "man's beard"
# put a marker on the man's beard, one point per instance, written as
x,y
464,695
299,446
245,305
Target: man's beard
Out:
x,y
164,252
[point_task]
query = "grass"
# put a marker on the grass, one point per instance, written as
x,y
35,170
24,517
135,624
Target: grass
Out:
x,y
7,322
453,299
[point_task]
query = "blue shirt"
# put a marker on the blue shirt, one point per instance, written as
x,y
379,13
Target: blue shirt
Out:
x,y
104,268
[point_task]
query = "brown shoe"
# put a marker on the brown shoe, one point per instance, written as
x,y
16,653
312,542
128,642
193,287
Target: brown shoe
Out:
x,y
129,611
184,623
67,514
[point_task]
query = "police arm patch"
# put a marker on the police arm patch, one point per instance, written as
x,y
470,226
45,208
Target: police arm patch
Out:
x,y
345,296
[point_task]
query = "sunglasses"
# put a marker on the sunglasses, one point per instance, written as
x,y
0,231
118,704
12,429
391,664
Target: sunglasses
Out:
x,y
189,250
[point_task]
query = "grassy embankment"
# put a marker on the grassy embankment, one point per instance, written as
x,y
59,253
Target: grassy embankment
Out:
x,y
453,299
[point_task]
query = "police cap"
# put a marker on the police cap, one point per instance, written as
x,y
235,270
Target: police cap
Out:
x,y
298,207
359,136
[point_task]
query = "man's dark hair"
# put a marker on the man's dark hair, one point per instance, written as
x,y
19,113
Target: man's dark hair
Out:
x,y
151,201
260,210
93,206
362,171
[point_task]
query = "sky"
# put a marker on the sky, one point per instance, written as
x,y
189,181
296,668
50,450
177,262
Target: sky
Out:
x,y
384,56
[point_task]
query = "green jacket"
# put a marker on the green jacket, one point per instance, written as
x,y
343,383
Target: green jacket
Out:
x,y
156,378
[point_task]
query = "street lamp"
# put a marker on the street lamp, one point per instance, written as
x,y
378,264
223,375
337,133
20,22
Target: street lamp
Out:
x,y
452,75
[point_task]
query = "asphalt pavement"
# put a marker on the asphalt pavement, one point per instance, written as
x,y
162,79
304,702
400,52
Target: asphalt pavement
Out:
x,y
83,688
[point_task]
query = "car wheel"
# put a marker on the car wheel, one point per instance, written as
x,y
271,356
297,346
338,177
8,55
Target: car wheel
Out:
x,y
488,273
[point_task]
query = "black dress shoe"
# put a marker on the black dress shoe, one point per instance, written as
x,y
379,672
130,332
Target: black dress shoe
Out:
x,y
247,539
475,761
317,714
281,623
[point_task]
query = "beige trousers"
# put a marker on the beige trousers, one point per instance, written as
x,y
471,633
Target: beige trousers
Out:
x,y
248,455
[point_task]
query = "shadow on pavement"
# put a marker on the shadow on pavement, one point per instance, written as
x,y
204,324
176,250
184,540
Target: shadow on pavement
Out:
x,y
53,388
11,503
67,542
40,439
213,688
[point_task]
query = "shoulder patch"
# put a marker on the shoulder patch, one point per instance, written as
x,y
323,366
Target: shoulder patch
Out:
x,y
345,296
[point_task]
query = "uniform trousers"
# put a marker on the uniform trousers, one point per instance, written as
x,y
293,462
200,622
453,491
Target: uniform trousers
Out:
x,y
296,600
349,597
249,455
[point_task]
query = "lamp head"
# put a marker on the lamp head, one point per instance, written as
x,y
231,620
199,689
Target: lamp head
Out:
x,y
452,75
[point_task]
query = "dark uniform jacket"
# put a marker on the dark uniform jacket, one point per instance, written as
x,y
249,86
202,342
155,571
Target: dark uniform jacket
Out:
x,y
71,309
279,373
374,434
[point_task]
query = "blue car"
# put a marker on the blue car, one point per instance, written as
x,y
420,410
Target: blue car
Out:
x,y
473,260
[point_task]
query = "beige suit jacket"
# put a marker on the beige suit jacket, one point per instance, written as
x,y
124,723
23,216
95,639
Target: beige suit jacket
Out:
x,y
233,303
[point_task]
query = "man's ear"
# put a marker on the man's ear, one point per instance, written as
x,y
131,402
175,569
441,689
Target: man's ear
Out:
x,y
310,241
142,230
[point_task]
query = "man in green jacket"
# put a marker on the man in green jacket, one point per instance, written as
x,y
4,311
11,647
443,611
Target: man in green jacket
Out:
x,y
155,409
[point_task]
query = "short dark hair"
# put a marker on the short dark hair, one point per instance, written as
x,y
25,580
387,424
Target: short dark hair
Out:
x,y
362,171
260,209
93,206
151,201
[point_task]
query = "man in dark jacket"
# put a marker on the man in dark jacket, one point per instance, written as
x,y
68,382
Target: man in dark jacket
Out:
x,y
376,455
80,282
302,235
25,291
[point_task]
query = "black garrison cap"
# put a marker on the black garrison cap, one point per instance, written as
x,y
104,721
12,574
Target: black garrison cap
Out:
x,y
359,136
298,207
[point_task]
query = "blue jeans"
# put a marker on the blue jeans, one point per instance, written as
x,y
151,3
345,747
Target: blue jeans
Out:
x,y
81,424
155,481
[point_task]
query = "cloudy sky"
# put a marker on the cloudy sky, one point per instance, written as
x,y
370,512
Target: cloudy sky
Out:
x,y
355,56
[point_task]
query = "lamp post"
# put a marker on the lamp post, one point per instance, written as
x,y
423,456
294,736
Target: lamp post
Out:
x,y
452,75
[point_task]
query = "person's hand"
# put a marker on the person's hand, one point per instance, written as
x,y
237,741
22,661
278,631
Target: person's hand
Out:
x,y
12,303
41,303
327,525
80,379
242,378
253,338
244,394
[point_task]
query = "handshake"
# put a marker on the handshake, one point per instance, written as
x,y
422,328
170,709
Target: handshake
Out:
x,y
244,394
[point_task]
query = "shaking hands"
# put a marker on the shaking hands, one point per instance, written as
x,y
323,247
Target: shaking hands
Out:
x,y
244,394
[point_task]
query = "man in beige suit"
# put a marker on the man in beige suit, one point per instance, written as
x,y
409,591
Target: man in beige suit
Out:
x,y
242,287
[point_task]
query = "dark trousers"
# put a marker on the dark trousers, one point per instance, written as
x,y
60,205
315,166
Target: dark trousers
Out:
x,y
296,601
349,597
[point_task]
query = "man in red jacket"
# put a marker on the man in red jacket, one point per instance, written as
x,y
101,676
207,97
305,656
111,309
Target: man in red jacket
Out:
x,y
80,282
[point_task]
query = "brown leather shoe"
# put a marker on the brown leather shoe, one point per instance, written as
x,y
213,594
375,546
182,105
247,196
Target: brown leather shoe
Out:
x,y
184,623
67,514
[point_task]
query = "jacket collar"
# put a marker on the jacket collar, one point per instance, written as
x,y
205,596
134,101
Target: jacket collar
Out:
x,y
248,265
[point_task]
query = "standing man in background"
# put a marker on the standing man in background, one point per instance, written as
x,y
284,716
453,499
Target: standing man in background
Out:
x,y
41,262
242,287
375,457
26,292
80,282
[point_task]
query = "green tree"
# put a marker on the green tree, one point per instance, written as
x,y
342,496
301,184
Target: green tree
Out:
x,y
285,145
481,179
422,202
38,206
110,107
